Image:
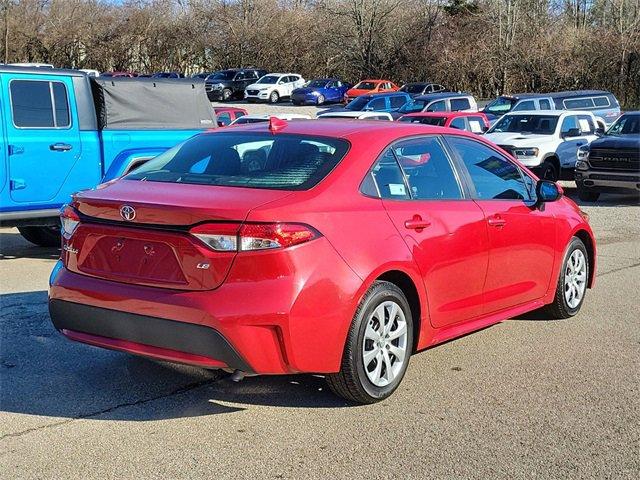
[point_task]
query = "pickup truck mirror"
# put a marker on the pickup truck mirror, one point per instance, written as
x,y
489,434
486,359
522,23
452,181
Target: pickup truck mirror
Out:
x,y
572,132
547,191
599,131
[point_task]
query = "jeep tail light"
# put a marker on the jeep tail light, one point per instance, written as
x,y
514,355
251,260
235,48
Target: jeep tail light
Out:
x,y
253,236
69,221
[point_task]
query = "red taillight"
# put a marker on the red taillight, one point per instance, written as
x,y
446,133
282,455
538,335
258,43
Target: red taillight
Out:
x,y
253,236
69,221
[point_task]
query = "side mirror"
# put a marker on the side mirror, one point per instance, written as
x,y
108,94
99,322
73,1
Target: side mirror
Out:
x,y
547,191
572,132
600,131
221,123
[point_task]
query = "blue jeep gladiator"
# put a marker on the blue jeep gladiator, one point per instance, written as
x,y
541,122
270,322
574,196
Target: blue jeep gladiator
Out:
x,y
61,131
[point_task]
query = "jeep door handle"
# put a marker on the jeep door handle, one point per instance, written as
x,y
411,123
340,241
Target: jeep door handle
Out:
x,y
496,221
60,147
416,223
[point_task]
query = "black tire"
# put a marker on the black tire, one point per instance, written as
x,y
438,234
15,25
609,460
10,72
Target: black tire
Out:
x,y
548,171
320,100
274,97
226,95
41,236
297,104
352,382
560,309
588,196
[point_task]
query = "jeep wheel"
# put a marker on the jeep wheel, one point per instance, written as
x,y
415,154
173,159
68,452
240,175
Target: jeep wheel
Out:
x,y
41,236
274,97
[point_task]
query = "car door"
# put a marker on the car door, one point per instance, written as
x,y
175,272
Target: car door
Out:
x,y
443,228
521,236
572,137
42,135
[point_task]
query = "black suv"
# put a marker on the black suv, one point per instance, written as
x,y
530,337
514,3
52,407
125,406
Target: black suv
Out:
x,y
227,84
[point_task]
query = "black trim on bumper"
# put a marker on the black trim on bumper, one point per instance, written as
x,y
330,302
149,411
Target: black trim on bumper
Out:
x,y
153,331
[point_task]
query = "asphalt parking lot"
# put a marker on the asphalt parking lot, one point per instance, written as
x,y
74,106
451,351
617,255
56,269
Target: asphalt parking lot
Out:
x,y
528,398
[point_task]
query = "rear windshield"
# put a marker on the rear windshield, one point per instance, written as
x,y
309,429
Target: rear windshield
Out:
x,y
246,159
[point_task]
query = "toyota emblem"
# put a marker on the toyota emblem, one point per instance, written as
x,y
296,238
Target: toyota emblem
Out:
x,y
127,212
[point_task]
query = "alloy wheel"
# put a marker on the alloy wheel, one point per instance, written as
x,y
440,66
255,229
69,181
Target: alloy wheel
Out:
x,y
384,348
575,278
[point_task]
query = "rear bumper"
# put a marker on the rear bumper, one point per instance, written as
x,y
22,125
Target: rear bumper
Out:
x,y
145,335
292,315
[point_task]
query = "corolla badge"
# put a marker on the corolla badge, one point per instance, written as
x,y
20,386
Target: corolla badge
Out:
x,y
127,212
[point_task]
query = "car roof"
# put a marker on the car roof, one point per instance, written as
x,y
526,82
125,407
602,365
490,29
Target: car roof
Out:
x,y
384,94
441,95
562,94
376,80
338,128
41,70
444,114
551,113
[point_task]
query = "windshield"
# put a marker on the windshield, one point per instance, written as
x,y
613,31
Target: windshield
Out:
x,y
246,159
366,86
269,79
224,75
358,104
539,124
436,121
413,106
500,106
625,125
413,88
316,84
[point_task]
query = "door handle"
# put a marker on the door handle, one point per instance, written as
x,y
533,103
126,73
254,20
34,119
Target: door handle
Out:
x,y
15,149
416,223
496,221
60,147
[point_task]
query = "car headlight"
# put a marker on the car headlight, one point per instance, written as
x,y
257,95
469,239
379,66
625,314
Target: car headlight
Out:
x,y
583,152
525,152
582,165
219,86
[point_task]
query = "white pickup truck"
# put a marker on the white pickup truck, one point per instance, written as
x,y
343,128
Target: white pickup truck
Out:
x,y
546,141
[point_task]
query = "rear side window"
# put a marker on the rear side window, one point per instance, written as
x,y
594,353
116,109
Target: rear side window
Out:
x,y
397,101
389,179
544,104
578,103
458,123
39,104
253,160
493,176
458,104
601,102
526,105
437,107
427,169
585,123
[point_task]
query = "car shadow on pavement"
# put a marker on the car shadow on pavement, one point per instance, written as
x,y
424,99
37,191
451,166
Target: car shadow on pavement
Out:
x,y
605,200
12,245
44,374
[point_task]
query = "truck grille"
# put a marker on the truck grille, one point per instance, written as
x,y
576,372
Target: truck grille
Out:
x,y
626,160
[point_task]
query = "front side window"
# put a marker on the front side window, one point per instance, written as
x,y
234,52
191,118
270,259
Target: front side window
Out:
x,y
476,124
494,177
249,159
627,124
569,123
39,104
526,105
224,118
413,106
377,104
458,104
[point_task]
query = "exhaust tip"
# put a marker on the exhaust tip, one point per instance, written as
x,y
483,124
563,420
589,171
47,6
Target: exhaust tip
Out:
x,y
237,376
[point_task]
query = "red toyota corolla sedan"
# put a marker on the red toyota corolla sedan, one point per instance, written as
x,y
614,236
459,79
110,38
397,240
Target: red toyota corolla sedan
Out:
x,y
327,246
